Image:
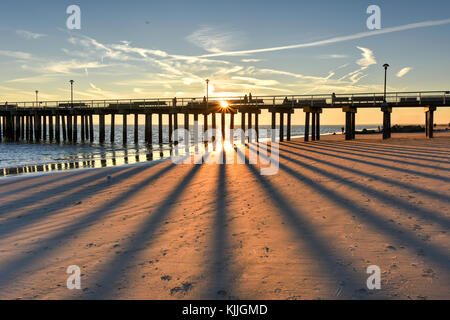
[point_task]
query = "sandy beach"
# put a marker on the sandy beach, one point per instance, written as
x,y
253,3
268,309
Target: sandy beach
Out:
x,y
166,231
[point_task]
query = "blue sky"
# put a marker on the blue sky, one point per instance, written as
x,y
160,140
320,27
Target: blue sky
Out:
x,y
166,48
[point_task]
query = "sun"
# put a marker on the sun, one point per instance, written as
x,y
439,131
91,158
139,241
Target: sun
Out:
x,y
223,104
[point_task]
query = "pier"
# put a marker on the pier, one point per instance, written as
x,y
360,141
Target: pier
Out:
x,y
72,121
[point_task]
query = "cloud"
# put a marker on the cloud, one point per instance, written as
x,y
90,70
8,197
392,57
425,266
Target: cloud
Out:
x,y
16,54
250,60
368,58
332,56
30,35
403,72
355,36
211,39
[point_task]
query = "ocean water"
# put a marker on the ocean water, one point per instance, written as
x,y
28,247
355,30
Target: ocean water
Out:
x,y
21,157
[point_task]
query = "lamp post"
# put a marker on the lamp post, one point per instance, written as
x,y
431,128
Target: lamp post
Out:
x,y
385,66
37,92
71,92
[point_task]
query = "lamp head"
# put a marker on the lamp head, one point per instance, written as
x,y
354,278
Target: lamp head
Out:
x,y
385,66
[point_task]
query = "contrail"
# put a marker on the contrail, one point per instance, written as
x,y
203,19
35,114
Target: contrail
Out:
x,y
335,39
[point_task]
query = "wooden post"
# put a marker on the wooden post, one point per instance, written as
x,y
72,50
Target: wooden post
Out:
x,y
37,121
205,122
307,116
57,128
22,128
170,127
148,128
160,128
313,126
31,118
223,128
17,127
86,127
63,119
348,126
257,126
91,127
231,127
112,128
186,128
136,128
353,115
429,121
124,129
249,124
175,121
44,127
317,126
82,128
75,128
243,127
273,124
102,128
281,126
50,127
386,122
213,122
288,136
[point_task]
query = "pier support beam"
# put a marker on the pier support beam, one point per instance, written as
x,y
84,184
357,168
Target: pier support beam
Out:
x,y
86,127
243,127
124,129
231,128
160,129
112,128
50,128
288,129
136,128
44,127
386,122
64,132
223,127
273,126
429,121
170,127
313,114
91,127
69,128
350,117
57,128
75,128
281,126
148,128
82,128
17,128
102,128
249,127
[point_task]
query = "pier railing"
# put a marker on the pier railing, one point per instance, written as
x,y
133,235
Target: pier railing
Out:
x,y
320,100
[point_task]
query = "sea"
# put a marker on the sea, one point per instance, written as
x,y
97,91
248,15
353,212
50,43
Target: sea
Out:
x,y
22,157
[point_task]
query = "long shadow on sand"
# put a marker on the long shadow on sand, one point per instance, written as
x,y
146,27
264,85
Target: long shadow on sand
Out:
x,y
140,240
439,256
16,266
381,196
349,283
303,146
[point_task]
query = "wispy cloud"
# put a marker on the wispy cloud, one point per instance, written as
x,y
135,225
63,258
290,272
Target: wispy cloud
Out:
x,y
250,60
211,39
332,56
16,54
355,36
403,72
30,35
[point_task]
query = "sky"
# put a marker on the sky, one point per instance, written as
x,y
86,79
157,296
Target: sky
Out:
x,y
148,49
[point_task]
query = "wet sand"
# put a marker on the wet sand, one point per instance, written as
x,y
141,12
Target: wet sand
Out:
x,y
166,231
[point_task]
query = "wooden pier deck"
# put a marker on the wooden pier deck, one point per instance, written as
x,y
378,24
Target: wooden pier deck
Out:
x,y
72,121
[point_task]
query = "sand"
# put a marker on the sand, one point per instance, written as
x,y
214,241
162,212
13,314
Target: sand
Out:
x,y
165,231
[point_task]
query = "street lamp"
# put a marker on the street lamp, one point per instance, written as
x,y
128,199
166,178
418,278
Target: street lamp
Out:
x,y
37,97
71,92
385,66
207,91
